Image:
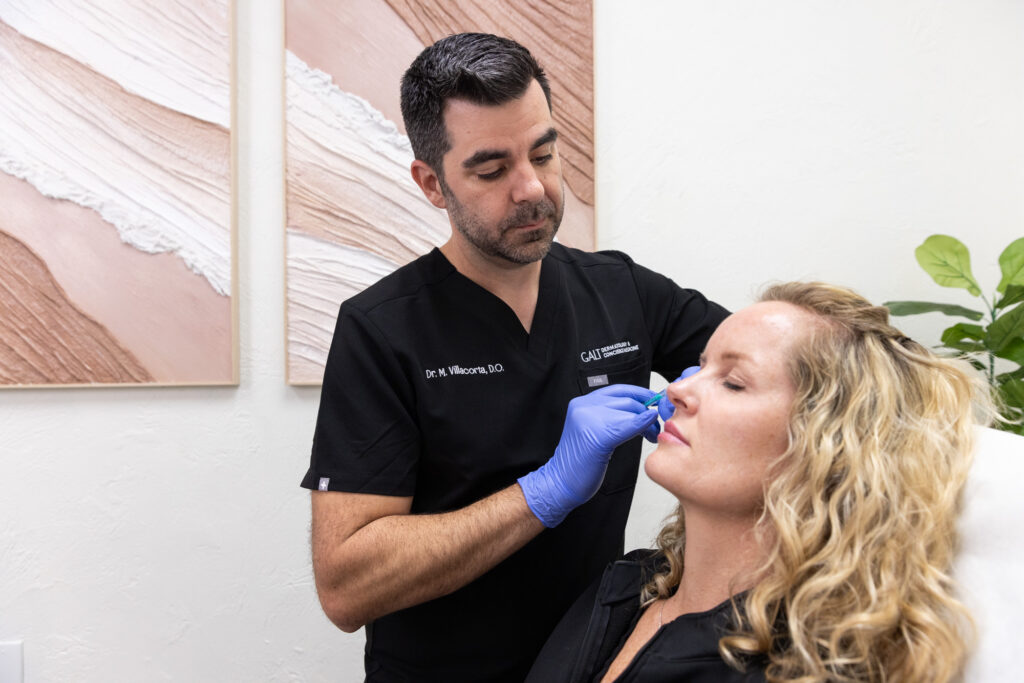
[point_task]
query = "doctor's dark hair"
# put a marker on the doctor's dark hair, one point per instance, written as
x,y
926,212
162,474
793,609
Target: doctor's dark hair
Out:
x,y
478,67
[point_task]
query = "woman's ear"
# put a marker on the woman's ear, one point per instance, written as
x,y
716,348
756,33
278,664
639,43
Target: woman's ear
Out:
x,y
429,182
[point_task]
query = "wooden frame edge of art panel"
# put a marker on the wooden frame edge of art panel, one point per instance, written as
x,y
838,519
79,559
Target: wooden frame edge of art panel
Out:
x,y
232,379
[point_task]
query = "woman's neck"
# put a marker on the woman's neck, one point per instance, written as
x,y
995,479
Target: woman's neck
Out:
x,y
721,559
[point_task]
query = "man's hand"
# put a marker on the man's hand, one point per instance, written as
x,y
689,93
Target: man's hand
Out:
x,y
595,425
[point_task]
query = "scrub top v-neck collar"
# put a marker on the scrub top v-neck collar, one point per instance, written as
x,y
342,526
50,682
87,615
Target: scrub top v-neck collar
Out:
x,y
493,309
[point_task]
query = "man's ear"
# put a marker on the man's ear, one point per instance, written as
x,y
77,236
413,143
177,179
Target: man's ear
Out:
x,y
429,183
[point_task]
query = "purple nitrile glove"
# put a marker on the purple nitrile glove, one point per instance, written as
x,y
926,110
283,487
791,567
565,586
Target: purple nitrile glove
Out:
x,y
595,425
665,407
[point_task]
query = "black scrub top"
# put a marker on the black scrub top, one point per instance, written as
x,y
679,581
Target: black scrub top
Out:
x,y
593,631
433,389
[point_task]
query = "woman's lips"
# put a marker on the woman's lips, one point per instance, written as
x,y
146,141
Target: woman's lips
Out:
x,y
671,435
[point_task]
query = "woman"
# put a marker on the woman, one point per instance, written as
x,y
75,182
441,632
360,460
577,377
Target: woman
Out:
x,y
818,457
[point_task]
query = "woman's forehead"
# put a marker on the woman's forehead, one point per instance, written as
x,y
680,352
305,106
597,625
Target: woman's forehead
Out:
x,y
766,322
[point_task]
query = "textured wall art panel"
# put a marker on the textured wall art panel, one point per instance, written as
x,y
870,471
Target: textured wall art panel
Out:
x,y
353,211
116,188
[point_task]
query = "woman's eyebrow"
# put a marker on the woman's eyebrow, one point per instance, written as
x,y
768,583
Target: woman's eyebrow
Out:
x,y
728,355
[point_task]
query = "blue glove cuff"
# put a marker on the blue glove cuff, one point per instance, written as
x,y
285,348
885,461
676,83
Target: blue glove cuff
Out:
x,y
533,488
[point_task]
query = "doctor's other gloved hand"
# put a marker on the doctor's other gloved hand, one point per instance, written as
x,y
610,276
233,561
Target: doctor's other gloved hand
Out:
x,y
665,407
595,425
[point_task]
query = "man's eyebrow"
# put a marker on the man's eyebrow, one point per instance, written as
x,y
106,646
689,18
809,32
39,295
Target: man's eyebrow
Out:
x,y
550,136
484,155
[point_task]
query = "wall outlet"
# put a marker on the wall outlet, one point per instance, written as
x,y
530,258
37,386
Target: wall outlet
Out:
x,y
12,665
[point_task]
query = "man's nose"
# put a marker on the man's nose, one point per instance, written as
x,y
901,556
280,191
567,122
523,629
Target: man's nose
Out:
x,y
527,186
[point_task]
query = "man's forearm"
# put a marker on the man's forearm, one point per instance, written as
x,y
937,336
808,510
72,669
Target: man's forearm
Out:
x,y
398,561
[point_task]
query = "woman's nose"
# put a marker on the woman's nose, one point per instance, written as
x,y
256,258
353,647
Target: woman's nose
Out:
x,y
681,392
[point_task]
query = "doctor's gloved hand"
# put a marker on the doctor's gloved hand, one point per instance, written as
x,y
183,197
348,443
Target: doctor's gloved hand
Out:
x,y
595,425
665,407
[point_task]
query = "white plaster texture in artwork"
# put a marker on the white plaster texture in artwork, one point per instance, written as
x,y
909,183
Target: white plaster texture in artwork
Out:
x,y
161,178
348,172
315,291
354,212
175,53
354,113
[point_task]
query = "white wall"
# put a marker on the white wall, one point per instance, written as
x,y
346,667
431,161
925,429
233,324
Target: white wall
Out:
x,y
160,534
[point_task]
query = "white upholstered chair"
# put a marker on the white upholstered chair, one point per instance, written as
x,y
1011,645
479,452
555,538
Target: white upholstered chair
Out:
x,y
990,564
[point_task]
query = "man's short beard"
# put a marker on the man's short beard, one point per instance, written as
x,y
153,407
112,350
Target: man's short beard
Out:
x,y
533,245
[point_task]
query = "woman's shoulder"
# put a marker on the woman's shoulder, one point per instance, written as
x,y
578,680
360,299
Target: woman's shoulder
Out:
x,y
645,562
596,619
640,555
646,559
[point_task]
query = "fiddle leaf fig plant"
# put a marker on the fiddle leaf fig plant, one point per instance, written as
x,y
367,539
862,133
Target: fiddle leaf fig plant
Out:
x,y
995,332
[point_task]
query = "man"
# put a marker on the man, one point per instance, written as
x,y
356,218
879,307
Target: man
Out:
x,y
437,460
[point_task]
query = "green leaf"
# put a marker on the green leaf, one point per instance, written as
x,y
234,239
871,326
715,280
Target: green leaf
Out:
x,y
1014,295
964,337
1011,262
947,260
1013,393
1013,351
967,347
1005,330
1007,376
962,331
915,307
978,365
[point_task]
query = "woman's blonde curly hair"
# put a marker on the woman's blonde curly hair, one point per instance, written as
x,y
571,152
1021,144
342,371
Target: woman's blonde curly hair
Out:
x,y
859,517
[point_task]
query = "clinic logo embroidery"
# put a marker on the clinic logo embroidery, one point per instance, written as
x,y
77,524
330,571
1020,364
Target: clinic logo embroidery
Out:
x,y
609,351
458,370
324,483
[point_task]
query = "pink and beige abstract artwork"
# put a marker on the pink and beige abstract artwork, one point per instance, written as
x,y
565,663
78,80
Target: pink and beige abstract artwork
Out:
x,y
353,211
116,187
